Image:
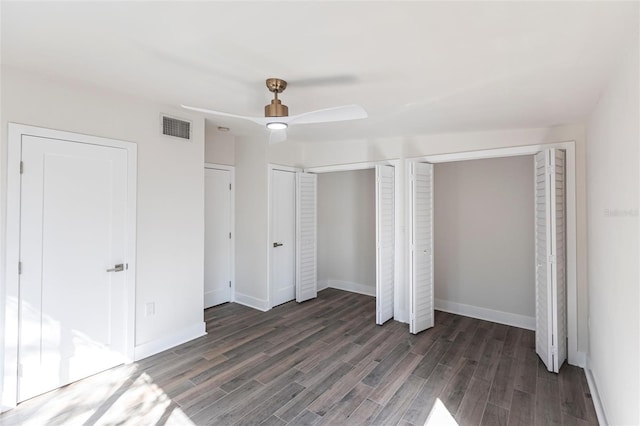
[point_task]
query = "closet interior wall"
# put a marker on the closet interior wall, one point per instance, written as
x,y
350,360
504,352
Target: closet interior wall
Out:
x,y
484,237
346,231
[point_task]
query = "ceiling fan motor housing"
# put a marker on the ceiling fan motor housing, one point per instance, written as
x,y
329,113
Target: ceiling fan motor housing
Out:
x,y
276,109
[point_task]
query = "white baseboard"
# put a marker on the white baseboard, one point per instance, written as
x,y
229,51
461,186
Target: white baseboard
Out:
x,y
595,396
155,346
322,285
579,359
252,302
501,317
367,290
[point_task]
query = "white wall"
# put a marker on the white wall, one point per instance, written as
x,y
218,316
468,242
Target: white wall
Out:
x,y
613,156
251,222
170,205
355,151
252,156
484,236
286,153
347,231
219,147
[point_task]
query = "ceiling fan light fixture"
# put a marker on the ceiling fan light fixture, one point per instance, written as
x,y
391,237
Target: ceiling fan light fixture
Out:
x,y
276,125
276,114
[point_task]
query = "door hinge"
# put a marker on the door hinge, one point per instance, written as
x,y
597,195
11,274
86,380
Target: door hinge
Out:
x,y
229,187
21,167
552,259
229,283
19,268
551,169
229,235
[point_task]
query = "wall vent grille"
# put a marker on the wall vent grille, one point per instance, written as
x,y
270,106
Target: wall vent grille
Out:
x,y
175,127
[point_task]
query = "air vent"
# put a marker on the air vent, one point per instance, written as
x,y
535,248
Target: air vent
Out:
x,y
175,127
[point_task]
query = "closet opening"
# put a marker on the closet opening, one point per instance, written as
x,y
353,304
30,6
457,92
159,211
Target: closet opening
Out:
x,y
347,231
494,239
357,228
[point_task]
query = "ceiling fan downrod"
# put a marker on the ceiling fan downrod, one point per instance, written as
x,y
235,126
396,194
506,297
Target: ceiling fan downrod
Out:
x,y
276,108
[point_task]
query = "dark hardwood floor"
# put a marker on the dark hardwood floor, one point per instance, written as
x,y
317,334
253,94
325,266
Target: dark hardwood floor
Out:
x,y
326,362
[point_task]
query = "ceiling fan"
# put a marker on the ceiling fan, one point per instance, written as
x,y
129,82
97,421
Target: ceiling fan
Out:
x,y
276,114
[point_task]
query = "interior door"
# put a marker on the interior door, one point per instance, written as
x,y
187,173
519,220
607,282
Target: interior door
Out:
x,y
72,318
283,235
306,237
421,261
385,242
550,251
217,228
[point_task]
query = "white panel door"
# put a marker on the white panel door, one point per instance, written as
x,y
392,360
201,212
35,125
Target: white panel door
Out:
x,y
217,240
385,242
72,230
550,251
306,237
283,234
421,261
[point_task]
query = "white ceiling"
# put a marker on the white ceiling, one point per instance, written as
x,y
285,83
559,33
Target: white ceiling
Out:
x,y
416,67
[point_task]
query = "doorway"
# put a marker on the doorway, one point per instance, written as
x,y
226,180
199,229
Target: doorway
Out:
x,y
218,228
386,230
292,246
560,217
347,231
71,236
283,232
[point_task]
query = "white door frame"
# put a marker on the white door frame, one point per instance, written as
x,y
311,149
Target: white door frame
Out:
x,y
10,299
397,310
575,357
271,168
232,175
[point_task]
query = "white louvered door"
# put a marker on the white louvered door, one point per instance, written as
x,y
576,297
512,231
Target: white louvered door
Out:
x,y
550,251
306,237
560,252
385,242
421,266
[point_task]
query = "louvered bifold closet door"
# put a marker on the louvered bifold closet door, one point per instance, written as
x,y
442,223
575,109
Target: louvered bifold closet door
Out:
x,y
421,268
550,252
306,237
559,266
385,242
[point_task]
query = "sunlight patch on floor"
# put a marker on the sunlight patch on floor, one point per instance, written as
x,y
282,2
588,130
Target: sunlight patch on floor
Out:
x,y
440,416
128,397
144,403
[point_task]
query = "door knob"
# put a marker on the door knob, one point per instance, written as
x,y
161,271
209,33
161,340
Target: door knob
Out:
x,y
277,244
119,267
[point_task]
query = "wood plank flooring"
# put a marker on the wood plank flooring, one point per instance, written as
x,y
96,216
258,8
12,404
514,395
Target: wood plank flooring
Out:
x,y
325,362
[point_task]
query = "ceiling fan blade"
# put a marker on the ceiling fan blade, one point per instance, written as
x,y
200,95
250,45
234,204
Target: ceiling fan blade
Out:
x,y
257,120
341,113
333,79
277,136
